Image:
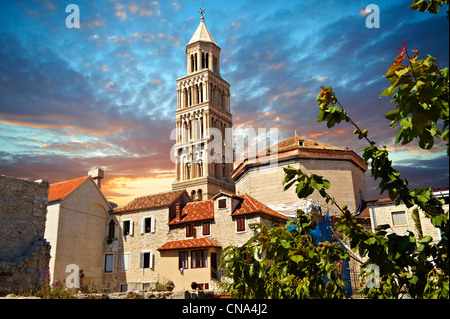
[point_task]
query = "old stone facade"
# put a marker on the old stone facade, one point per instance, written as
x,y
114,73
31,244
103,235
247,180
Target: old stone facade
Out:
x,y
262,177
399,217
24,253
76,225
168,237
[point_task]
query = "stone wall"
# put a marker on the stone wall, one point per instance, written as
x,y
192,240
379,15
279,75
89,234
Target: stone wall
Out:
x,y
24,253
383,215
265,183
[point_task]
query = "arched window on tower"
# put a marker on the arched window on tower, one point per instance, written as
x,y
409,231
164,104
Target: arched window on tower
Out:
x,y
187,171
199,195
207,60
200,93
185,96
192,63
111,229
200,168
193,196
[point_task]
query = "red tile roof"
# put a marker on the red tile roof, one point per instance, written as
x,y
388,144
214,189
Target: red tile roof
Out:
x,y
204,210
250,205
294,143
195,211
202,242
151,201
60,190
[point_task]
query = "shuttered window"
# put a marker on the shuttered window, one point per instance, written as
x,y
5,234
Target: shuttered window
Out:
x,y
240,222
206,228
189,230
148,225
146,260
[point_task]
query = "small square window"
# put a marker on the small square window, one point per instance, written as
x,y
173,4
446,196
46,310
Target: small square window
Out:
x,y
123,287
223,203
399,218
146,260
127,227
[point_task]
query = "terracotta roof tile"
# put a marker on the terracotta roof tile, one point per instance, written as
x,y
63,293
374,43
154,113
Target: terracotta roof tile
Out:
x,y
294,143
202,242
250,205
195,211
59,190
151,201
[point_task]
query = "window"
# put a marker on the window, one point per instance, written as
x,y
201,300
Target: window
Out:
x,y
123,287
108,267
183,260
399,218
146,260
127,227
111,230
199,258
148,225
145,286
223,203
206,228
126,261
190,230
301,143
240,222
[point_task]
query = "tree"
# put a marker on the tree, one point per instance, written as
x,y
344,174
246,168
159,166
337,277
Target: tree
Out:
x,y
284,263
420,92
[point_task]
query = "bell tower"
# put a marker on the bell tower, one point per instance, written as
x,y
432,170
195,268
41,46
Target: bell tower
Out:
x,y
204,162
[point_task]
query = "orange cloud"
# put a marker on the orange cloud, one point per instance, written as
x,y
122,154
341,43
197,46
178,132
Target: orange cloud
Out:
x,y
122,190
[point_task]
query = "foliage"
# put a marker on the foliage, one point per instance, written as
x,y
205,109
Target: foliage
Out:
x,y
406,267
421,98
45,290
431,6
283,263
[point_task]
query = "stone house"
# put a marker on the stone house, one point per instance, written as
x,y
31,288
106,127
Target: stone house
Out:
x,y
399,217
76,222
167,236
24,252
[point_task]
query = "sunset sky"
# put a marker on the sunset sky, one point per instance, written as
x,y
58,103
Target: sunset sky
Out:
x,y
104,95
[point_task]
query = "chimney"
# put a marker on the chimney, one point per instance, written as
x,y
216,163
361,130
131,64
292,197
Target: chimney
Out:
x,y
178,211
97,175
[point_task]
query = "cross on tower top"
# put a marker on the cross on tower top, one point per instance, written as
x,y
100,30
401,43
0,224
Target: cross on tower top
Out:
x,y
202,10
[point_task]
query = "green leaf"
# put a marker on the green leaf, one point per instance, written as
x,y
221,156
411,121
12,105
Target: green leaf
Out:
x,y
285,244
426,240
370,241
414,280
297,258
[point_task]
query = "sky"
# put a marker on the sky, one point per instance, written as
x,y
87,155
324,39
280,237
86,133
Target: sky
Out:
x,y
104,95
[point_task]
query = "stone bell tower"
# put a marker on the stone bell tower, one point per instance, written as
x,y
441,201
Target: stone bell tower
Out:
x,y
204,162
